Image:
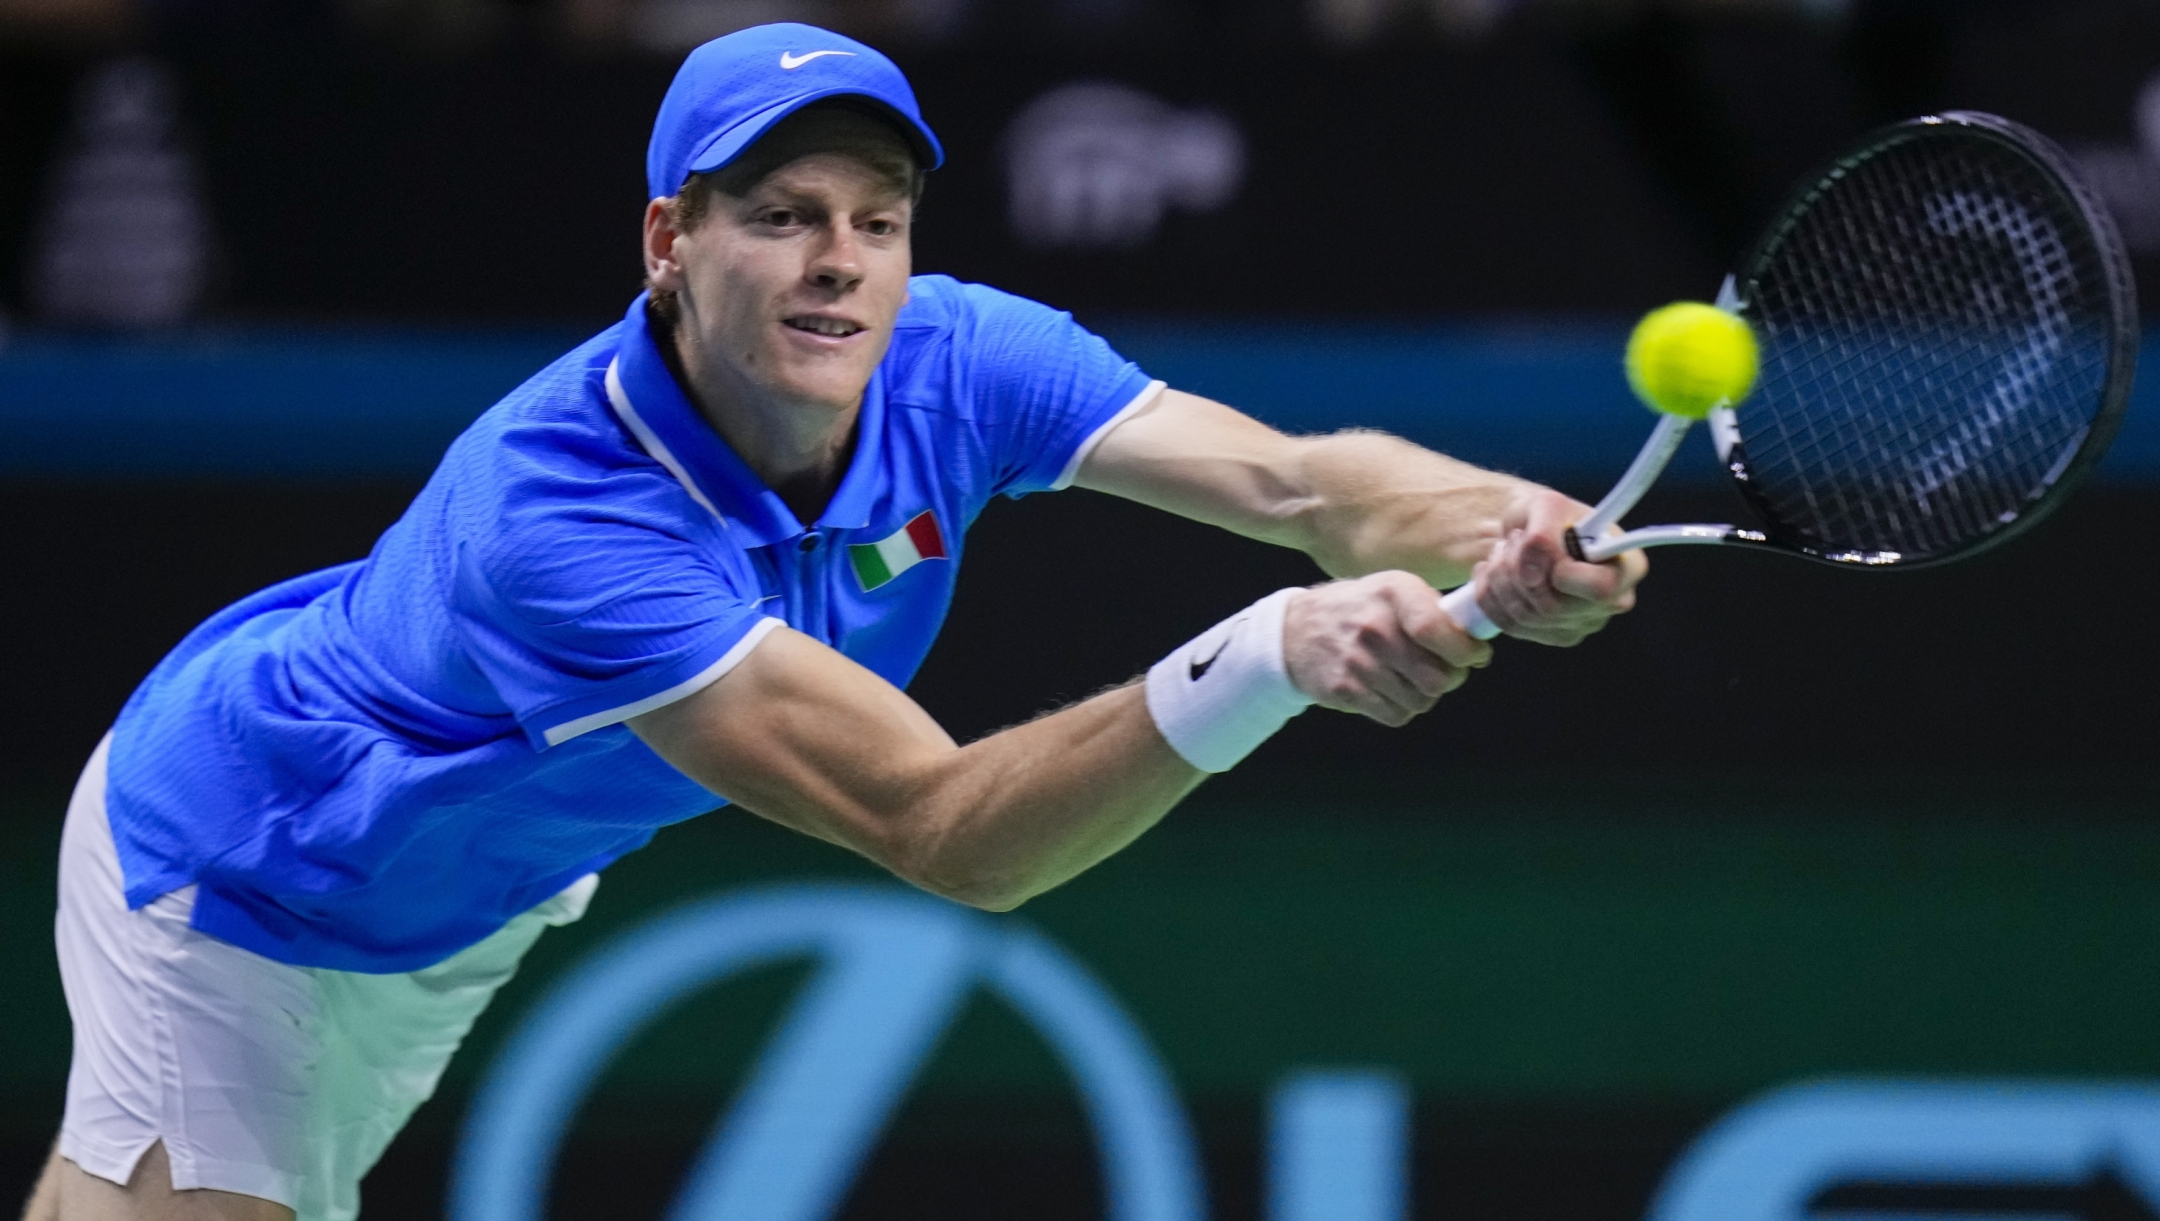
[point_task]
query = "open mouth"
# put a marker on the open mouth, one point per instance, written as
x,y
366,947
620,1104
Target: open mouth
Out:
x,y
839,328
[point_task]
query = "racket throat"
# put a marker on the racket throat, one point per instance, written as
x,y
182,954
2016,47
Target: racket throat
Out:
x,y
1702,535
1649,463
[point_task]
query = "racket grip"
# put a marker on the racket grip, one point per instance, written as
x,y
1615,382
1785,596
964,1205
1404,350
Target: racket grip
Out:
x,y
1461,606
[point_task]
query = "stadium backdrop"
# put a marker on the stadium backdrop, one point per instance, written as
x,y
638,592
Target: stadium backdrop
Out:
x,y
1847,826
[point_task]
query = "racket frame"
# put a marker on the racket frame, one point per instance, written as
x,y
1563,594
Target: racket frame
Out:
x,y
2121,294
1664,440
1724,422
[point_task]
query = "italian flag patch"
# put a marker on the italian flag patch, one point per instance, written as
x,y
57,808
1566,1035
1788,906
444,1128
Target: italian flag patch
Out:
x,y
881,561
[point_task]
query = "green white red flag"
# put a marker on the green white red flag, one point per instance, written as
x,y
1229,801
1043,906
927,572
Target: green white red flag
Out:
x,y
881,561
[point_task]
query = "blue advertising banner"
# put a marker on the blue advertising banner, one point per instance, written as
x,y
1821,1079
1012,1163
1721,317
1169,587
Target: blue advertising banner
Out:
x,y
893,969
1546,400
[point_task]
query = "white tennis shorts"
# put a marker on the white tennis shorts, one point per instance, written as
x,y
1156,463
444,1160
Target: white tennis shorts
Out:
x,y
262,1078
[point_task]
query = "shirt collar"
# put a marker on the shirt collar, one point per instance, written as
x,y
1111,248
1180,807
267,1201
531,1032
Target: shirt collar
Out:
x,y
662,418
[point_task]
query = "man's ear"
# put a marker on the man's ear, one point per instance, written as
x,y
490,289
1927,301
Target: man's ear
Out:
x,y
662,270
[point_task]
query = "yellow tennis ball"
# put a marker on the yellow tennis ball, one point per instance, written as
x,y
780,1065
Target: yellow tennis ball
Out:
x,y
1687,358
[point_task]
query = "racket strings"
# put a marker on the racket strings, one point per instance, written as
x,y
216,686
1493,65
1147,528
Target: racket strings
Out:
x,y
1844,438
1935,329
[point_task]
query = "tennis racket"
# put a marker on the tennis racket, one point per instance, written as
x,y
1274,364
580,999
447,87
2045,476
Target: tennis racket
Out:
x,y
1948,331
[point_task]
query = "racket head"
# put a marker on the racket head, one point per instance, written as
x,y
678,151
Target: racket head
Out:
x,y
1949,331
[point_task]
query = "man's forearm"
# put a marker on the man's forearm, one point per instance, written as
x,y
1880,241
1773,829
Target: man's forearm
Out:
x,y
1357,502
1372,502
1027,809
810,740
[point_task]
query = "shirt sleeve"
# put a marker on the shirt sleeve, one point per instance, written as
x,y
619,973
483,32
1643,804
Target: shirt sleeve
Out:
x,y
1050,387
587,609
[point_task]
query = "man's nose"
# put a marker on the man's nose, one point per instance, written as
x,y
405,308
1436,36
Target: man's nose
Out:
x,y
837,263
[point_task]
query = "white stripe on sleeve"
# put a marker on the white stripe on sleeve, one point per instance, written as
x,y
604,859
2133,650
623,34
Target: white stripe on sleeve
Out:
x,y
691,686
1080,455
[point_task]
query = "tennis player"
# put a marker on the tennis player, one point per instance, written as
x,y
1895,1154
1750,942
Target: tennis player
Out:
x,y
690,563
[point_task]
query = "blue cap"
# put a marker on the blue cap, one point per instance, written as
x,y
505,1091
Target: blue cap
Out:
x,y
733,89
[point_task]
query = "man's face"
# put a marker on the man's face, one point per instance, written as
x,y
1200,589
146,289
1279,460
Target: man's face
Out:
x,y
792,287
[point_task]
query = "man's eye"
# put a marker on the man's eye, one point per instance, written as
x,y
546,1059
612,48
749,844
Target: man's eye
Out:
x,y
881,228
781,218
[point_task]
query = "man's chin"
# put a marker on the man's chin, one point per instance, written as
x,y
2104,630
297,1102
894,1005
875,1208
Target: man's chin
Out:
x,y
836,395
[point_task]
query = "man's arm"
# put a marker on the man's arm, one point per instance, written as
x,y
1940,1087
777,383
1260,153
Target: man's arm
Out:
x,y
805,737
1360,502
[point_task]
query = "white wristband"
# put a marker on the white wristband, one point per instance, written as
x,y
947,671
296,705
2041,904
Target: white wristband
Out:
x,y
1224,692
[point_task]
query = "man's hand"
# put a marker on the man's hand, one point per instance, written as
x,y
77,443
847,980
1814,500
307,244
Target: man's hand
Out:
x,y
1536,591
1379,645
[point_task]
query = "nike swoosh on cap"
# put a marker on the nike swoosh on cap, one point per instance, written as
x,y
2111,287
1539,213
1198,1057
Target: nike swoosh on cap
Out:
x,y
790,62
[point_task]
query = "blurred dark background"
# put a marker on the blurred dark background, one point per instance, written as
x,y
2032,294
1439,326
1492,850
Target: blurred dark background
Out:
x,y
259,260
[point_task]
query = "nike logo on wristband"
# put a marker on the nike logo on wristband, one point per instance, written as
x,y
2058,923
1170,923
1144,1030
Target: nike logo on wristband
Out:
x,y
1201,667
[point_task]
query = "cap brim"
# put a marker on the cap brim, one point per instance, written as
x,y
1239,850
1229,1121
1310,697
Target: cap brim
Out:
x,y
730,143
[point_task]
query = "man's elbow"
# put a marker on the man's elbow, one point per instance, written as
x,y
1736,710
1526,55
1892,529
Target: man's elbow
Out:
x,y
975,883
990,899
983,891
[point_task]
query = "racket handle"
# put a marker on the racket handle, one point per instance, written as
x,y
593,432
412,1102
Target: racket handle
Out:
x,y
1461,606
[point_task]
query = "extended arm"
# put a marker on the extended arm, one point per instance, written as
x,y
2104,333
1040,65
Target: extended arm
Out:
x,y
1356,502
1361,502
809,739
805,737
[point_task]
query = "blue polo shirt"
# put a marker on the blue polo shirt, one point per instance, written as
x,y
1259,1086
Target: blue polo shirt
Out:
x,y
371,767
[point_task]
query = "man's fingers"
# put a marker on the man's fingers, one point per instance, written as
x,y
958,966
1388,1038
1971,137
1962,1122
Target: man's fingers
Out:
x,y
1535,556
1428,656
1432,629
1427,675
1369,687
1589,582
1402,699
1509,597
1534,588
1609,581
1562,622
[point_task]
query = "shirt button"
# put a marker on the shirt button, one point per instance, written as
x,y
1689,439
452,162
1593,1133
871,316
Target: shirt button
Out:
x,y
809,542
